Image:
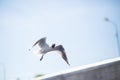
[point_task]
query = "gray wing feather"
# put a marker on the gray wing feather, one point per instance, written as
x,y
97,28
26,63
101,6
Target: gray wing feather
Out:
x,y
41,42
63,54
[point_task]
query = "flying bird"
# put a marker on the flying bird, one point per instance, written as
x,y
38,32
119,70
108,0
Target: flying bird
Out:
x,y
45,48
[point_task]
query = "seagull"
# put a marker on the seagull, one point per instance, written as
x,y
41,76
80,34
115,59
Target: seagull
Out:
x,y
45,48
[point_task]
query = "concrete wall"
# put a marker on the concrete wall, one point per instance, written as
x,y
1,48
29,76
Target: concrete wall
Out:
x,y
105,70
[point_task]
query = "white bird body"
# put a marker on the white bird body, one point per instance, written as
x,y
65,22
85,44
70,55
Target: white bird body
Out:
x,y
45,48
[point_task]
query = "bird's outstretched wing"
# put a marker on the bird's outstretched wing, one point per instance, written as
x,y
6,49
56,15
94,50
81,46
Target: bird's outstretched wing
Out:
x,y
42,42
62,51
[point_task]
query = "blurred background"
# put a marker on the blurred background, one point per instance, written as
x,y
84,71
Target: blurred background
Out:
x,y
86,29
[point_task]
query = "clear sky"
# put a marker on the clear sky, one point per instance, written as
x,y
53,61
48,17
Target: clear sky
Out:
x,y
76,24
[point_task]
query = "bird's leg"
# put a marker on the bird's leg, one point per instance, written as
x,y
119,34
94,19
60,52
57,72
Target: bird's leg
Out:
x,y
41,57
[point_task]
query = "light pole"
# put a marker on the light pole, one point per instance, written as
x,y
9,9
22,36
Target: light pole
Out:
x,y
117,34
4,71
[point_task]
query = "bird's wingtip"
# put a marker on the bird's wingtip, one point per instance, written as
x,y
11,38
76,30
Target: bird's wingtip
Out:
x,y
68,64
44,37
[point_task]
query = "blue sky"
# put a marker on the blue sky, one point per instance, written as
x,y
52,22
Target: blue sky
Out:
x,y
76,24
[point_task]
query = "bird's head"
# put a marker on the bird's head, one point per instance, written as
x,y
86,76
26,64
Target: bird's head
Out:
x,y
53,46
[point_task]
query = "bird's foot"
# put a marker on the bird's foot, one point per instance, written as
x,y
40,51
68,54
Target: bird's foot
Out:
x,y
40,59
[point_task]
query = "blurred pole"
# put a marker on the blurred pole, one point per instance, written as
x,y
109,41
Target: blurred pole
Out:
x,y
4,71
18,78
117,34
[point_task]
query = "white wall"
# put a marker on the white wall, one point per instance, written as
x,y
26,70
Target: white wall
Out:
x,y
104,70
